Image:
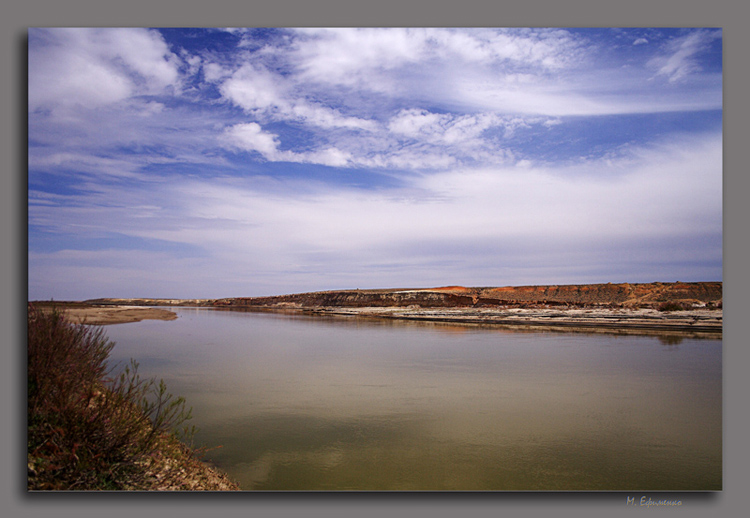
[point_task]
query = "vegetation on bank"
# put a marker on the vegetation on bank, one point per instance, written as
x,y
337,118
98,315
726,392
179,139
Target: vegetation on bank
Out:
x,y
670,305
90,428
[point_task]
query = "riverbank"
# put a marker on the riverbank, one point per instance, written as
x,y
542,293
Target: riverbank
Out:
x,y
652,307
591,319
91,429
173,467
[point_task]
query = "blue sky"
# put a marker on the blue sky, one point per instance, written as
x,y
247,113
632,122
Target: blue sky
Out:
x,y
197,163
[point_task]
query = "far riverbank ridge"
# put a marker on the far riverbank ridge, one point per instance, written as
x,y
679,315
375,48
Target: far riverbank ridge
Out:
x,y
625,295
693,307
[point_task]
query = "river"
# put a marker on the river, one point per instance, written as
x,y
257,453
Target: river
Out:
x,y
288,402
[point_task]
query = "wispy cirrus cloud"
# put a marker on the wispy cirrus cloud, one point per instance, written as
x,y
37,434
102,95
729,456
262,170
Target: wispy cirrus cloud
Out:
x,y
680,55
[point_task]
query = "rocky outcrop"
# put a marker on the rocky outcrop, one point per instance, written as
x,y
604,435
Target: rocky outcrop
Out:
x,y
358,299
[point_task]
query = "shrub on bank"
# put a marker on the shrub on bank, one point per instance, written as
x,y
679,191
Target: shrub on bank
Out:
x,y
673,306
89,428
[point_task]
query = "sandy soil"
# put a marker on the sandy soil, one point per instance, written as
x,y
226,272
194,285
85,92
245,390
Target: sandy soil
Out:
x,y
106,315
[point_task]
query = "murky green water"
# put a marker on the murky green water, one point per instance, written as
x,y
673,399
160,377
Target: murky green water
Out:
x,y
296,403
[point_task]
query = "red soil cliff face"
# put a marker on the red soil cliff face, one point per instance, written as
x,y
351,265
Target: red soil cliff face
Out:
x,y
650,294
625,294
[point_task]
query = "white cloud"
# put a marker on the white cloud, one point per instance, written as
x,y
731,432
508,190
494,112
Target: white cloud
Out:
x,y
446,139
679,60
259,91
424,65
412,139
486,79
95,67
670,190
251,137
349,56
255,88
410,158
415,140
213,72
444,128
327,118
415,122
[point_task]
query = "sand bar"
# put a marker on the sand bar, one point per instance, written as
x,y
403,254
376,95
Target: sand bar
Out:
x,y
106,315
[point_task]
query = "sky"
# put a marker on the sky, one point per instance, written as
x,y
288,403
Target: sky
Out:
x,y
206,163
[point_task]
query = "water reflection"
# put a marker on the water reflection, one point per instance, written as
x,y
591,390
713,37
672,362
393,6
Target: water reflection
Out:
x,y
330,403
671,339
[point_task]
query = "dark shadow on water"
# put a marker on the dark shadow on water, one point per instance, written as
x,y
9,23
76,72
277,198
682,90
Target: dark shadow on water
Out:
x,y
671,339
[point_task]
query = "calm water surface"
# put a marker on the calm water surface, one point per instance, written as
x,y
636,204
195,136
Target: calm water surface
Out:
x,y
298,403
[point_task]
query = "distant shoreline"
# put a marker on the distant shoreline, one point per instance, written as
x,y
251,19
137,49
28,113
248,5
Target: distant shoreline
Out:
x,y
672,306
707,323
